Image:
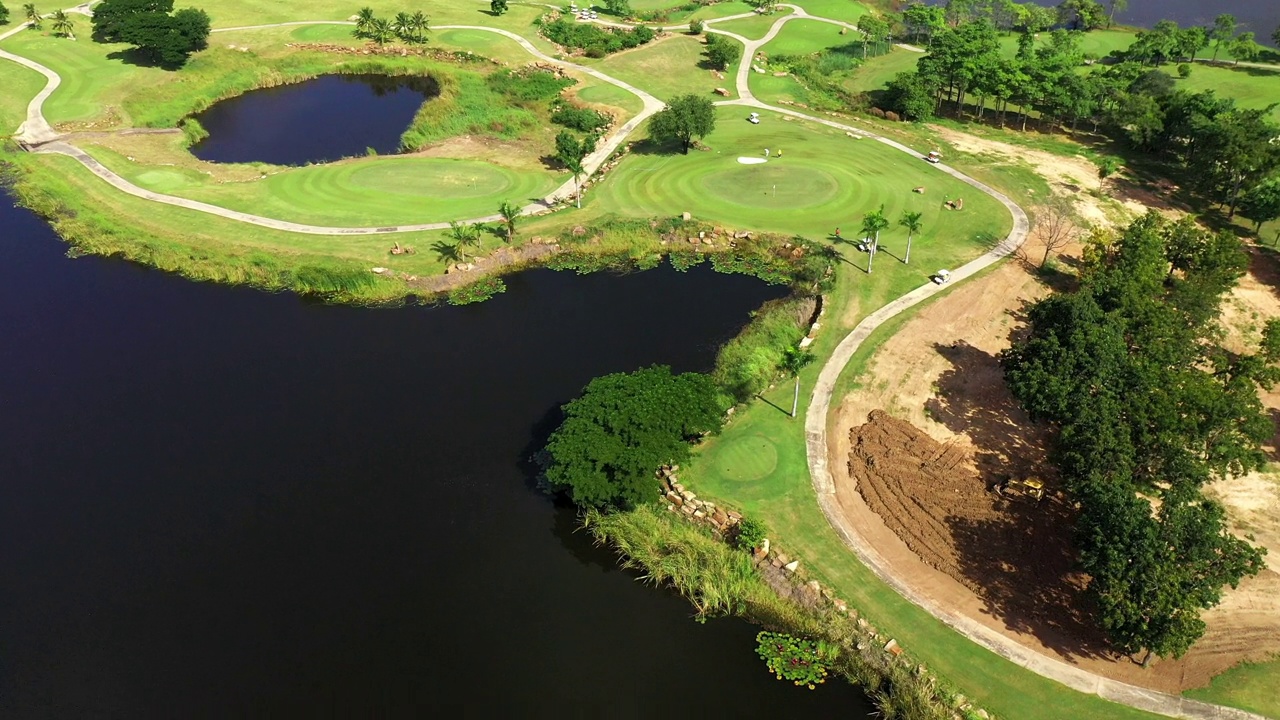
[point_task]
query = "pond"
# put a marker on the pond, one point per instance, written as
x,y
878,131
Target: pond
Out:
x,y
244,504
1258,16
315,121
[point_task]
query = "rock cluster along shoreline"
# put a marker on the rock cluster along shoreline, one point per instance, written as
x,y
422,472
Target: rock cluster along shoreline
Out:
x,y
784,574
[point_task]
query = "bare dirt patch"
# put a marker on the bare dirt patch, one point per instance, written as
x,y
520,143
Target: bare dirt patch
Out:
x,y
1072,177
1014,554
919,488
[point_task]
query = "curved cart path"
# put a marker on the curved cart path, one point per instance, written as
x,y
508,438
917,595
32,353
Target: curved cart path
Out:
x,y
37,132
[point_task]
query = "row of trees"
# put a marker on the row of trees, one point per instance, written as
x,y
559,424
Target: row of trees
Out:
x,y
408,27
1149,409
159,34
875,222
1231,148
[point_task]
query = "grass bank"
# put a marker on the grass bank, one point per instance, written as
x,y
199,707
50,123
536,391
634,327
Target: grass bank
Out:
x,y
719,580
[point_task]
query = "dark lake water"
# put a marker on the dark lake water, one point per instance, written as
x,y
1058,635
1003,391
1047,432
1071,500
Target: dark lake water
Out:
x,y
216,502
316,121
1259,16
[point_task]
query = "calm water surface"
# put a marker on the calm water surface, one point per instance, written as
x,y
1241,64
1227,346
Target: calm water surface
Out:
x,y
216,502
316,121
1259,16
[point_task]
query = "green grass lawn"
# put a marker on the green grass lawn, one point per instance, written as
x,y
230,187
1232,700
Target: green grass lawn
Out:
x,y
675,16
599,92
20,85
1250,87
802,37
772,89
361,192
753,28
876,72
784,500
92,80
823,180
845,10
668,68
1251,686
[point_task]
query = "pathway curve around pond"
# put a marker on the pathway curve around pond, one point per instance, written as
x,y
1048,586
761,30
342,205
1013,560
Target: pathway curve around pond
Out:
x,y
37,132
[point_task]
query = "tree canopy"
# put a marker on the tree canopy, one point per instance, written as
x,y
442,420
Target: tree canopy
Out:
x,y
685,118
622,428
162,36
4,14
1149,409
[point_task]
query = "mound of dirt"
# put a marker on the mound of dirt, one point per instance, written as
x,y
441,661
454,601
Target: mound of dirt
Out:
x,y
1014,554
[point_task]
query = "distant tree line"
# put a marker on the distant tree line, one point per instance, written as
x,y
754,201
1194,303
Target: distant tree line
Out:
x,y
1231,148
1149,408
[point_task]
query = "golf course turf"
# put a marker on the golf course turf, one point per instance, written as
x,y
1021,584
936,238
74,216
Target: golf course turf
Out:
x,y
815,179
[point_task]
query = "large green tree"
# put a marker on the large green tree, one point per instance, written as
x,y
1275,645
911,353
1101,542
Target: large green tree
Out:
x,y
721,51
1262,203
684,119
162,36
1224,29
1149,408
572,152
4,14
622,428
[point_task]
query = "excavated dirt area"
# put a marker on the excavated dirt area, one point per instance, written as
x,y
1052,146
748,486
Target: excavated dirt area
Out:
x,y
949,428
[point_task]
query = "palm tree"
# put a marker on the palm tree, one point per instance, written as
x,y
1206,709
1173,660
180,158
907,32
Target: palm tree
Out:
x,y
575,166
33,15
402,26
364,22
448,252
380,31
465,236
510,214
419,23
794,359
910,221
872,224
62,24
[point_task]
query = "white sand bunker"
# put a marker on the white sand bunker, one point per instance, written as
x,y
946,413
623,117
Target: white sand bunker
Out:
x,y
751,161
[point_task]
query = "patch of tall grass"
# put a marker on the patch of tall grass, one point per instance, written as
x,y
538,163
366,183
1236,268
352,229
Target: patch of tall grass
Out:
x,y
747,364
718,580
467,104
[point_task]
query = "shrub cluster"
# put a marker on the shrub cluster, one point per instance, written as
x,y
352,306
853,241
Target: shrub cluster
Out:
x,y
579,118
594,40
478,291
529,85
749,362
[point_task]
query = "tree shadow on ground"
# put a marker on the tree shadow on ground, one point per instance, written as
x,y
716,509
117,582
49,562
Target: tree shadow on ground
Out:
x,y
138,58
1018,559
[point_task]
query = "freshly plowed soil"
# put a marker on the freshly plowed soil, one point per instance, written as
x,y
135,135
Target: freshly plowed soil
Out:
x,y
918,477
1015,554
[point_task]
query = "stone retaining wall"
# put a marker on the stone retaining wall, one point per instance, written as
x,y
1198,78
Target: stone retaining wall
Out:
x,y
788,578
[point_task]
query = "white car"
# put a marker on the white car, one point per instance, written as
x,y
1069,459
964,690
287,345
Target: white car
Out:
x,y
754,118
934,157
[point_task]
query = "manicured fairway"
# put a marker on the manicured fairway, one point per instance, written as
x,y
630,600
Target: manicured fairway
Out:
x,y
1249,87
1251,686
823,180
363,192
20,85
704,12
668,68
802,37
91,81
877,71
753,28
845,10
603,93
